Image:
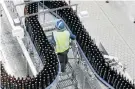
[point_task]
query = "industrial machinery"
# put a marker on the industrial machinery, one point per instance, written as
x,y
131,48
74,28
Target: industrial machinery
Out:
x,y
95,68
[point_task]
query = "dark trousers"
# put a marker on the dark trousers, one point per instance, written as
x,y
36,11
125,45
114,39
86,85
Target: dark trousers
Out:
x,y
63,58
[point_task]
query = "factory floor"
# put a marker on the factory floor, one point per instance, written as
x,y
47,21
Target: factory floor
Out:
x,y
107,23
112,25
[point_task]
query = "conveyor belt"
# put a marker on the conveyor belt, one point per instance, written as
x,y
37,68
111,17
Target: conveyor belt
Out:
x,y
91,51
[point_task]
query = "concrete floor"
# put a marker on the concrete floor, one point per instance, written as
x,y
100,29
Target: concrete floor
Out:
x,y
110,24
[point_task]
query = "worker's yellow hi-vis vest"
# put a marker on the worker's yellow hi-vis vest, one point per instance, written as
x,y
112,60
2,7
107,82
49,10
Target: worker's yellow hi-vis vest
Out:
x,y
62,40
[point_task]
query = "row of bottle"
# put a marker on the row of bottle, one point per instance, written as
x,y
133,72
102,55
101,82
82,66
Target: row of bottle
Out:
x,y
31,8
41,43
53,4
41,81
46,53
39,39
89,48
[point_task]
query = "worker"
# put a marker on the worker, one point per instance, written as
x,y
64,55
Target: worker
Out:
x,y
61,41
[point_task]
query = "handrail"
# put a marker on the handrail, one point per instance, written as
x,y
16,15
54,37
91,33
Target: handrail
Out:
x,y
90,66
48,10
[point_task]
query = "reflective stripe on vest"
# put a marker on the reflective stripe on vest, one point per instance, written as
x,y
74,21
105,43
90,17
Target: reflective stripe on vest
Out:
x,y
62,40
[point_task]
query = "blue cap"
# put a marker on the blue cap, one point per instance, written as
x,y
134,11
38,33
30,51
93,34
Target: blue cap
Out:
x,y
60,25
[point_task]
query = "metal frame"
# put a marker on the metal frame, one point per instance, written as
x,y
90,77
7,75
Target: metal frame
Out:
x,y
45,11
84,57
77,48
48,10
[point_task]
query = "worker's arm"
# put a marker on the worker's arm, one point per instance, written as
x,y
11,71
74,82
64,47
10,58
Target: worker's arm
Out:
x,y
72,36
53,41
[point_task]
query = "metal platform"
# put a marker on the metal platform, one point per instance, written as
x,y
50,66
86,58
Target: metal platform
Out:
x,y
67,78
